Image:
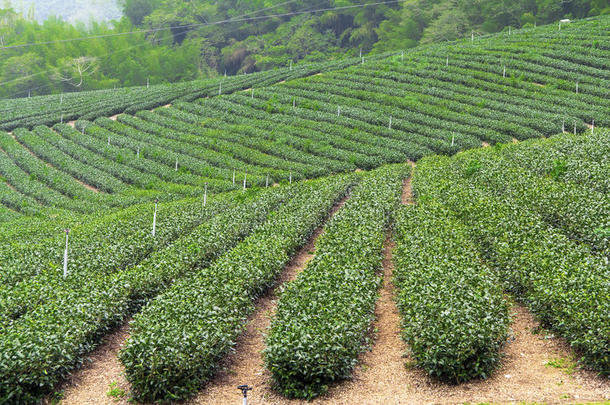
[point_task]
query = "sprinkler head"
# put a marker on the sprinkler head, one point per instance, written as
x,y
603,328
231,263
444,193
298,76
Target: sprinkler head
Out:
x,y
244,389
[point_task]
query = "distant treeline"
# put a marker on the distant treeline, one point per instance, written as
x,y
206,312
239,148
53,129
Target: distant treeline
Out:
x,y
264,35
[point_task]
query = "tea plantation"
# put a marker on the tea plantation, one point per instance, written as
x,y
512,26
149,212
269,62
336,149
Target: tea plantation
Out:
x,y
181,205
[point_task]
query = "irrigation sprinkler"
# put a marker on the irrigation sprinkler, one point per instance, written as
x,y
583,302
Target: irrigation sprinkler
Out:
x,y
290,178
205,195
574,127
245,177
66,254
447,64
244,390
138,153
291,65
563,126
176,169
294,103
108,141
576,87
504,73
154,230
267,181
252,92
61,119
592,126
452,139
338,111
390,124
363,60
148,82
233,176
472,36
361,52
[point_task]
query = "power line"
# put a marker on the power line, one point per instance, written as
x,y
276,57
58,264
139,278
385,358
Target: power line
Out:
x,y
126,49
232,20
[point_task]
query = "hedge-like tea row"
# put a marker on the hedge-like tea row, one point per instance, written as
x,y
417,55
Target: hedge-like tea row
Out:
x,y
178,338
43,346
323,317
52,109
558,279
568,159
575,210
454,316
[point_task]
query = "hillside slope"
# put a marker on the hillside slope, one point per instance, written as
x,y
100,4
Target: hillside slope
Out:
x,y
435,99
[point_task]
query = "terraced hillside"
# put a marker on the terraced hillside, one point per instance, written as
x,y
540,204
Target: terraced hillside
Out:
x,y
186,209
435,99
49,110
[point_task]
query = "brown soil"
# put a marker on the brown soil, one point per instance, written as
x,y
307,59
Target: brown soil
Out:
x,y
113,118
515,140
87,186
246,366
167,105
485,144
91,384
71,123
539,84
590,126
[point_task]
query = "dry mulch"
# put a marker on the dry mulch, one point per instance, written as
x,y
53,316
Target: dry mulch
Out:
x,y
90,384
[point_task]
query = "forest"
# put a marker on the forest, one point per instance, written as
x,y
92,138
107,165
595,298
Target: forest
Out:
x,y
186,40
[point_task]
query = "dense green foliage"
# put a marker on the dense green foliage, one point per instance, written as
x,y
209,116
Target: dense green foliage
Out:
x,y
454,315
36,351
539,257
199,39
536,212
323,317
177,340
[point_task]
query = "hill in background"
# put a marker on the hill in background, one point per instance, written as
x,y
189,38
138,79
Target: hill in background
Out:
x,y
70,10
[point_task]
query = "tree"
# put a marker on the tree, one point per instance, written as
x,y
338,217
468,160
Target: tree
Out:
x,y
73,71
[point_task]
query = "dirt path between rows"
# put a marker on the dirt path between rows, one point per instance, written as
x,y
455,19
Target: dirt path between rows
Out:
x,y
246,365
91,384
536,366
